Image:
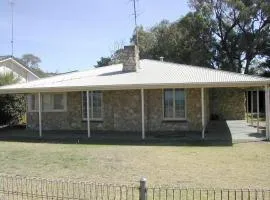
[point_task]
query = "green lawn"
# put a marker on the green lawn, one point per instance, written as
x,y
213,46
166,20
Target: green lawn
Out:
x,y
242,165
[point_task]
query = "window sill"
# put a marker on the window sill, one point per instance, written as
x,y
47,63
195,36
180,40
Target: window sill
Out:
x,y
93,120
174,120
47,111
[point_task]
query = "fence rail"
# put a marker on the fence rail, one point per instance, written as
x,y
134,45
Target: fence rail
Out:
x,y
21,188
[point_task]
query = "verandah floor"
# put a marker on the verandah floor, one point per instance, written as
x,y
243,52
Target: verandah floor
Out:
x,y
217,133
235,130
97,137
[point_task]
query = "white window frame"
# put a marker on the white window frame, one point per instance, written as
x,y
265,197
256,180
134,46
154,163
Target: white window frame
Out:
x,y
48,110
163,105
91,107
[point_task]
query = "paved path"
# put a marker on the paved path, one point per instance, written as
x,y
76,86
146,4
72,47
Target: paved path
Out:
x,y
241,131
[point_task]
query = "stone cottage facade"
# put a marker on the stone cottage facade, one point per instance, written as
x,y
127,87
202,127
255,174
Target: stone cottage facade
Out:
x,y
121,111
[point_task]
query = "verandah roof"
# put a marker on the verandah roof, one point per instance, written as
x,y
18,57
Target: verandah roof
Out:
x,y
152,74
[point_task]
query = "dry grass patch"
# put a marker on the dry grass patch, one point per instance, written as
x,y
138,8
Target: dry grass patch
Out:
x,y
242,165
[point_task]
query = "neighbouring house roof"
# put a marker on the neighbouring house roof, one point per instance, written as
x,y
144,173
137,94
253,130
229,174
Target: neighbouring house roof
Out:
x,y
17,61
152,74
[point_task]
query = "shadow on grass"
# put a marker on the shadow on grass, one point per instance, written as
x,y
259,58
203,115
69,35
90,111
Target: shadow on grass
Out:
x,y
16,134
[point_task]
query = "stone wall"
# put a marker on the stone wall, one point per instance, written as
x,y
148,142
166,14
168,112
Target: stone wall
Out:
x,y
227,103
122,112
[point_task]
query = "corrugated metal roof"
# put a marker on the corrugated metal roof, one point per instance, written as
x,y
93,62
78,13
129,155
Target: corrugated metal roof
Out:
x,y
153,74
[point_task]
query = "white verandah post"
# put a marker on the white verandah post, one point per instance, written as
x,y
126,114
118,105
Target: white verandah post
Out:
x,y
247,106
142,101
203,112
267,110
88,114
252,107
39,114
258,110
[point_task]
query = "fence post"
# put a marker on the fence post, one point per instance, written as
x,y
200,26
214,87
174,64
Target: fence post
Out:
x,y
143,189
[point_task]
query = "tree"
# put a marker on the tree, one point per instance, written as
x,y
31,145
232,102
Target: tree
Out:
x,y
241,29
104,61
12,107
115,58
33,62
146,41
187,40
196,40
8,78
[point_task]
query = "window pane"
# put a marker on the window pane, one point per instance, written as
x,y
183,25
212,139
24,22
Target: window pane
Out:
x,y
47,102
58,102
36,106
84,105
33,102
168,103
97,104
179,103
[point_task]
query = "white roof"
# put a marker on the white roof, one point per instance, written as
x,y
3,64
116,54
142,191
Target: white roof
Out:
x,y
152,74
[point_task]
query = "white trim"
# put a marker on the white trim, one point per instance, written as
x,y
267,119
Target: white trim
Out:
x,y
267,110
93,120
82,104
12,90
88,114
247,108
163,108
142,107
252,107
203,112
258,110
40,114
22,66
92,105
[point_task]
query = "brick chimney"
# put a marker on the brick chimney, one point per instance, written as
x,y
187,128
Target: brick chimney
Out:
x,y
131,58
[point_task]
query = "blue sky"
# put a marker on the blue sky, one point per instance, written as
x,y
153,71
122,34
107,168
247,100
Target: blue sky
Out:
x,y
69,35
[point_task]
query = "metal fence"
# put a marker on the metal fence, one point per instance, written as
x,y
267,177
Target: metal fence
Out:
x,y
20,188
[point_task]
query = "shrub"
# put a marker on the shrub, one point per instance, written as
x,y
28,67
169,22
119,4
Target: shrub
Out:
x,y
12,107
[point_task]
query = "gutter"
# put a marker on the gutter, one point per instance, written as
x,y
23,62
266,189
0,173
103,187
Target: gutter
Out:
x,y
7,90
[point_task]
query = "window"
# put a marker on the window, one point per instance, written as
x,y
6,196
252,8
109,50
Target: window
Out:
x,y
33,102
174,104
95,105
50,102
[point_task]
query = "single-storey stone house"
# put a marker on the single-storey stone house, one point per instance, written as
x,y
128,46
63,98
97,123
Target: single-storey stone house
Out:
x,y
138,96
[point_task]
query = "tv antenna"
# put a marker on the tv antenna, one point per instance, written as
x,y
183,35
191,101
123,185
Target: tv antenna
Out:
x,y
135,21
11,2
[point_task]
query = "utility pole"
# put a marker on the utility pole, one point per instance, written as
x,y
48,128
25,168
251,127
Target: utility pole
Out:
x,y
11,2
